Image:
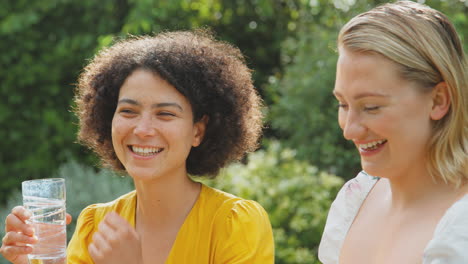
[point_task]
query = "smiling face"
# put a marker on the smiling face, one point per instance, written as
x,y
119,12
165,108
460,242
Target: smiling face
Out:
x,y
152,128
387,117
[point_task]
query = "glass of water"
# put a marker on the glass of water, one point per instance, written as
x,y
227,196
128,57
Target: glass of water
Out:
x,y
45,200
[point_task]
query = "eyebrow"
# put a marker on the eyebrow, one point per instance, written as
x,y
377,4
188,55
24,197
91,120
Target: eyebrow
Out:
x,y
133,102
362,95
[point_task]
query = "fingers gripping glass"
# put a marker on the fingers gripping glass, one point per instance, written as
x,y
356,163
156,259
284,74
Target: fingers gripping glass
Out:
x,y
45,200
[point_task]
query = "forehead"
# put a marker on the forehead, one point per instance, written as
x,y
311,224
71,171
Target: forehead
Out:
x,y
146,85
367,63
357,71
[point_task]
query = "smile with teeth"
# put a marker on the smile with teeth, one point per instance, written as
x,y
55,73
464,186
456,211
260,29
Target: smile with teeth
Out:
x,y
372,145
145,151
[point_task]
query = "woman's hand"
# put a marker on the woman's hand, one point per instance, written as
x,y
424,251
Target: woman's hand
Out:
x,y
115,242
17,235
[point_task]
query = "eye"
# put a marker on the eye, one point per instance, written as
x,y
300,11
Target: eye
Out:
x,y
166,114
126,112
371,108
342,106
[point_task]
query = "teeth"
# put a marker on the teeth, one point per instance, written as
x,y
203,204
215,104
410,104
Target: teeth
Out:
x,y
146,151
371,145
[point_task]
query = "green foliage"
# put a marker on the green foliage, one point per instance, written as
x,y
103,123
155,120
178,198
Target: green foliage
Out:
x,y
295,194
304,109
44,45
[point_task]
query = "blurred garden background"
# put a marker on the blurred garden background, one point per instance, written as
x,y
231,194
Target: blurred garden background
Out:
x,y
289,44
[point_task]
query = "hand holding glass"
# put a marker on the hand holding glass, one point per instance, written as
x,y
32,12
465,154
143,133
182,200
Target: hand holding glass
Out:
x,y
45,200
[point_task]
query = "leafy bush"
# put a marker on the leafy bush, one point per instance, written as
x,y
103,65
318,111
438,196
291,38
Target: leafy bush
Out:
x,y
44,44
304,108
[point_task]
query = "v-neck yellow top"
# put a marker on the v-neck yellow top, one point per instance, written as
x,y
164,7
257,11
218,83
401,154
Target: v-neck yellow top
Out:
x,y
220,229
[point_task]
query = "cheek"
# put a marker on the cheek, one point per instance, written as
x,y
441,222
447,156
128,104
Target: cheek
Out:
x,y
183,133
119,129
386,129
399,128
414,121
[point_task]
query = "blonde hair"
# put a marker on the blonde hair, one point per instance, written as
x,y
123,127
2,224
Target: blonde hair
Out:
x,y
424,43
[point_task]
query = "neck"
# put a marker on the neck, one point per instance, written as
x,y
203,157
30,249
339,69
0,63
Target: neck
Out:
x,y
165,200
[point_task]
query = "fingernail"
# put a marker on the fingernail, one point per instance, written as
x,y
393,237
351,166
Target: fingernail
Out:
x,y
27,214
30,231
33,239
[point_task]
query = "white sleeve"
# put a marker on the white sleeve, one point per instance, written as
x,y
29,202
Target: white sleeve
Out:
x,y
449,244
342,212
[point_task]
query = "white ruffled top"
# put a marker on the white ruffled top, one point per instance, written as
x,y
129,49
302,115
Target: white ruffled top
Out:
x,y
449,245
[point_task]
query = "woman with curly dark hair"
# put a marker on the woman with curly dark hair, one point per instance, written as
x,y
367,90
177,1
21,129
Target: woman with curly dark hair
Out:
x,y
160,109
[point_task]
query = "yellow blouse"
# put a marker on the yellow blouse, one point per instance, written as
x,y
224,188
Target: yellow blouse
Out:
x,y
220,229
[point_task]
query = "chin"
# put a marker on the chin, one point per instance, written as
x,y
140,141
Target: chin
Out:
x,y
142,174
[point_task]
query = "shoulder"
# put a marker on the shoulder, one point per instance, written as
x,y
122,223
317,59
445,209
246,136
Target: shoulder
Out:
x,y
450,241
243,230
352,195
358,187
227,206
342,213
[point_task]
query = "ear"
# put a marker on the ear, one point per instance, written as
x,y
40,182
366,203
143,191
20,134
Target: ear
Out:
x,y
440,101
199,131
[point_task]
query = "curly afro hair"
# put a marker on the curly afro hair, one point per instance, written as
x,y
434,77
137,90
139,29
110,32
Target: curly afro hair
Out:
x,y
211,74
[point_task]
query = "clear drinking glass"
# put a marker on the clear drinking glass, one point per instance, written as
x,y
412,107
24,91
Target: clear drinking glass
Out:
x,y
45,199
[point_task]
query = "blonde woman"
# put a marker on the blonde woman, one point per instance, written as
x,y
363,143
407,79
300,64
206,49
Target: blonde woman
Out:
x,y
402,87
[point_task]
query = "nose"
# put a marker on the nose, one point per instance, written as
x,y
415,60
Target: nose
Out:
x,y
144,127
352,125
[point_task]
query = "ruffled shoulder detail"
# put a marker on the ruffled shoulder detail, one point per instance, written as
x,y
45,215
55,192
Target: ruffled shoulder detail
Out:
x,y
341,215
244,233
449,244
249,217
77,250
